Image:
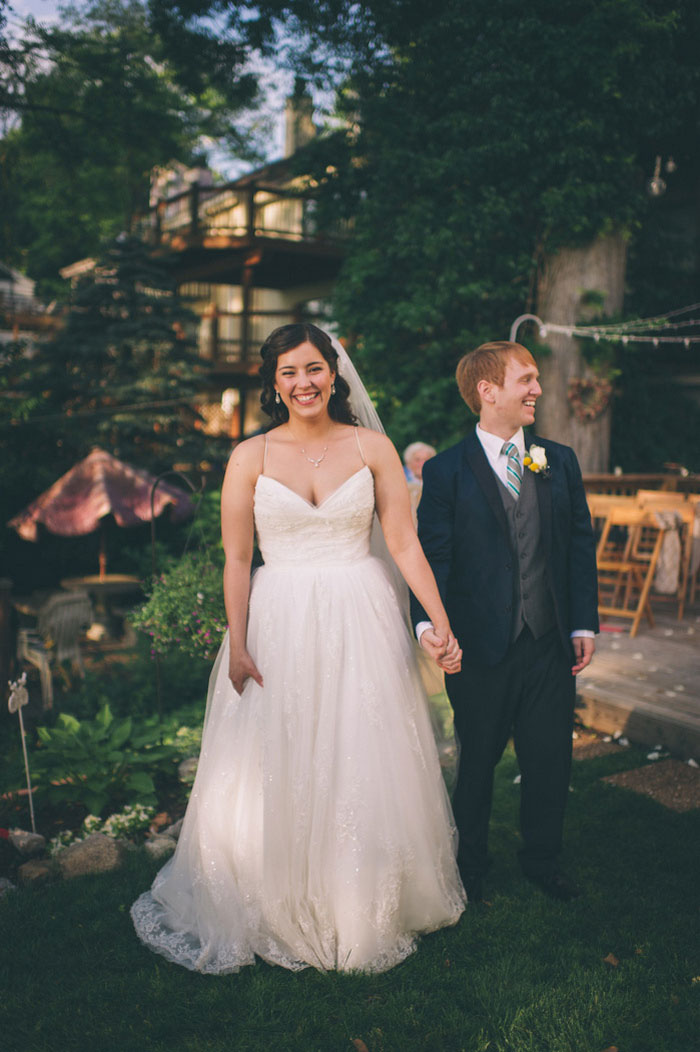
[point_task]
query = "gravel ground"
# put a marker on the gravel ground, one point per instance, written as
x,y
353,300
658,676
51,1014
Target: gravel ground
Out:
x,y
670,782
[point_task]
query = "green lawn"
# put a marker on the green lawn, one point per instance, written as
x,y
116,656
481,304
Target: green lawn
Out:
x,y
526,975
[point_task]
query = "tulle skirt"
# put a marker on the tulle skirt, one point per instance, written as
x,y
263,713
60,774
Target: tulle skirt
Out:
x,y
319,831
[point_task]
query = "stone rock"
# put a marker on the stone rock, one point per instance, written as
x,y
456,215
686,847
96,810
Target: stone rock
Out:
x,y
5,886
28,844
35,871
160,845
187,769
96,854
173,830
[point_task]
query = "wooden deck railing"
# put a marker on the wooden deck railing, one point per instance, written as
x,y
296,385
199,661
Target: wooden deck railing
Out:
x,y
627,485
229,210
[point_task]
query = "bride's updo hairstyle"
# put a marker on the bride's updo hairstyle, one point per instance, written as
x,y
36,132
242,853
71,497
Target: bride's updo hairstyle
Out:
x,y
284,339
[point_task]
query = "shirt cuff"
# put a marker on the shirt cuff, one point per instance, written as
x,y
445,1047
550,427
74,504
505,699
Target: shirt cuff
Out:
x,y
421,627
585,632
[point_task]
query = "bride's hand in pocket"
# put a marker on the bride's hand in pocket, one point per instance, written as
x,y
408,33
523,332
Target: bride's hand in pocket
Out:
x,y
242,667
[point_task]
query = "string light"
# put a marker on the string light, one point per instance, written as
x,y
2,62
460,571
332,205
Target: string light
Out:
x,y
639,330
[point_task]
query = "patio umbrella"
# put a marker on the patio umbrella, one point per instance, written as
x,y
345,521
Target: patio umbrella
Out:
x,y
98,486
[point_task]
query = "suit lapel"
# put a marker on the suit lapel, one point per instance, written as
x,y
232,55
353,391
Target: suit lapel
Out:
x,y
543,488
484,475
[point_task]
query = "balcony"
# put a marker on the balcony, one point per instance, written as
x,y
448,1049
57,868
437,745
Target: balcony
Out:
x,y
260,234
214,228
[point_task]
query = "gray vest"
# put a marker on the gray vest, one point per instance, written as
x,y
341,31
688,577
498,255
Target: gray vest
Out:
x,y
532,599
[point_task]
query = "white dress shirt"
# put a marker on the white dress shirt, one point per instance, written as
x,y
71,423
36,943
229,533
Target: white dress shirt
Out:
x,y
492,446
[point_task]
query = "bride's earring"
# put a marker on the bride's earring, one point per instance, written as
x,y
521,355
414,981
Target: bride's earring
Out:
x,y
333,388
277,397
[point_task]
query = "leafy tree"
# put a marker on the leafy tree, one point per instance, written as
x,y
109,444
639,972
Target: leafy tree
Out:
x,y
495,140
100,104
495,162
121,373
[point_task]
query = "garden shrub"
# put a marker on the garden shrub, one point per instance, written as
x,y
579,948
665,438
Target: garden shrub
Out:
x,y
101,762
132,821
129,687
185,608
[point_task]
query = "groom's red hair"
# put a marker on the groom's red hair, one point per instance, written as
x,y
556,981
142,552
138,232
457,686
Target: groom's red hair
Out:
x,y
487,362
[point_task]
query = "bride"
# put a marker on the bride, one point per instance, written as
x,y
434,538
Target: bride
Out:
x,y
318,831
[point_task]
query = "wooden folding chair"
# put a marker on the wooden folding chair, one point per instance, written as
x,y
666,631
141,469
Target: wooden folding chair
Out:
x,y
599,506
627,577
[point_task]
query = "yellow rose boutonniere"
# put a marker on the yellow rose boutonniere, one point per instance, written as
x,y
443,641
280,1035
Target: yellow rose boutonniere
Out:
x,y
535,460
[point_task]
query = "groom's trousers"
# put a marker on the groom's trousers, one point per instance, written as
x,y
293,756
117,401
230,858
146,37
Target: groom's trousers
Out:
x,y
530,695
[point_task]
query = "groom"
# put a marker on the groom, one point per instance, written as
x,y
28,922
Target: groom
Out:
x,y
504,523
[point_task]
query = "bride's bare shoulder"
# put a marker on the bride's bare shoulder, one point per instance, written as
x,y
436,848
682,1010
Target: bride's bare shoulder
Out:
x,y
374,443
247,458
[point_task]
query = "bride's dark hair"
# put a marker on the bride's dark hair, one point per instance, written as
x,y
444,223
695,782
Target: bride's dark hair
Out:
x,y
284,339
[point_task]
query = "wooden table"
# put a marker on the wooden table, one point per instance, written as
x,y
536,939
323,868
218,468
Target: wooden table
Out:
x,y
103,590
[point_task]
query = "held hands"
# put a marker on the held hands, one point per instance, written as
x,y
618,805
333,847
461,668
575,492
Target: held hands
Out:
x,y
240,668
584,648
443,648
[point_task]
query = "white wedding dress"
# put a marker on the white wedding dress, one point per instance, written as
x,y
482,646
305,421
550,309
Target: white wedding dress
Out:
x,y
319,831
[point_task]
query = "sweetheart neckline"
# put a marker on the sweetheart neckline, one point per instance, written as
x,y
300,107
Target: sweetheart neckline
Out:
x,y
316,507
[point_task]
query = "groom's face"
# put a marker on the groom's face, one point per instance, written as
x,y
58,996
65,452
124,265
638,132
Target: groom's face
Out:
x,y
513,404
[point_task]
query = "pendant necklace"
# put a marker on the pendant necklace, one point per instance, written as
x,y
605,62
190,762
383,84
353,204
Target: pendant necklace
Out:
x,y
314,460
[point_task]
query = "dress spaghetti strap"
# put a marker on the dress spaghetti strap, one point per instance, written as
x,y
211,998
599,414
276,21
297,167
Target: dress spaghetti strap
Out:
x,y
357,439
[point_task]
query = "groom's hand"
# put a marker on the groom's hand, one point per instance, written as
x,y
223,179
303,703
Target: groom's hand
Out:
x,y
584,648
433,644
446,652
451,661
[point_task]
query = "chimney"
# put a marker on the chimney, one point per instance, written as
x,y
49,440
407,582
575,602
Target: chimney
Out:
x,y
299,125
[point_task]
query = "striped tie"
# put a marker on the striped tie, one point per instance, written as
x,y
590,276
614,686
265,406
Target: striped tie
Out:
x,y
514,473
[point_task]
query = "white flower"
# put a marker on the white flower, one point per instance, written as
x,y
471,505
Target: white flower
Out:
x,y
538,457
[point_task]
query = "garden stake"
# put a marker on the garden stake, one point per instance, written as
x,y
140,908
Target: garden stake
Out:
x,y
18,698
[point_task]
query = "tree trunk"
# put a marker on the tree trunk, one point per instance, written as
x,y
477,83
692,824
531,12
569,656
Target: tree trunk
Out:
x,y
561,294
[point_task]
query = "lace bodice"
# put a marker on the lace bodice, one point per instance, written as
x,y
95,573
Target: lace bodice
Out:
x,y
293,531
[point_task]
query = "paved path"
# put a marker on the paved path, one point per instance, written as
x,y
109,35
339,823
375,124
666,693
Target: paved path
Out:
x,y
648,688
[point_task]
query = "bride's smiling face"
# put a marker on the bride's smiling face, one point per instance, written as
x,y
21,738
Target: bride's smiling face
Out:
x,y
303,378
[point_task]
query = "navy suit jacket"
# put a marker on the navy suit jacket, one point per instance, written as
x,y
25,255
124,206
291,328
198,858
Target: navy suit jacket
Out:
x,y
463,529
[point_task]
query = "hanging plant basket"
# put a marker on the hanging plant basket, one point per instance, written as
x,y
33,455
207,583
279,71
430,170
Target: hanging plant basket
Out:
x,y
589,397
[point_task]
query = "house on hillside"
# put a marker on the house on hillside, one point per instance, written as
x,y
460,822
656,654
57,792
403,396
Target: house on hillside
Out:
x,y
22,316
248,255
